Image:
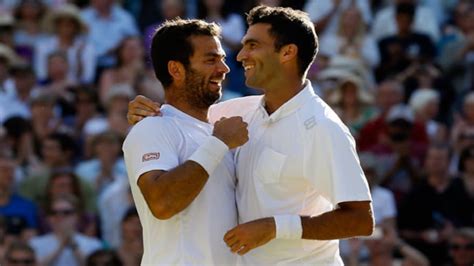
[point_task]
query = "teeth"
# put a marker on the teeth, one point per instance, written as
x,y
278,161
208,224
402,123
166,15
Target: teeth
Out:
x,y
248,67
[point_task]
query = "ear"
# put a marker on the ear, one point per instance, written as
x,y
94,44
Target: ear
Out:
x,y
176,70
288,52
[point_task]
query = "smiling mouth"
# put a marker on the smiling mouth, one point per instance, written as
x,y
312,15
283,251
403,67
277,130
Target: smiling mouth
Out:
x,y
216,82
248,67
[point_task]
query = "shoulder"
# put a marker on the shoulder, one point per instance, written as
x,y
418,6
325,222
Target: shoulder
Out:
x,y
22,202
240,101
235,107
151,127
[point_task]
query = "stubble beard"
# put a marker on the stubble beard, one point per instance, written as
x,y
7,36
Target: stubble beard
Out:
x,y
197,92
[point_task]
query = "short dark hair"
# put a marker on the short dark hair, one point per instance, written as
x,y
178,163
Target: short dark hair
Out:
x,y
289,26
66,142
171,41
466,153
405,9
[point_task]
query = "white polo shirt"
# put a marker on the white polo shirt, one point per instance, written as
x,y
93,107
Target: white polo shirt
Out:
x,y
299,160
195,235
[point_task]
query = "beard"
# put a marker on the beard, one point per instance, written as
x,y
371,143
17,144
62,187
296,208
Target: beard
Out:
x,y
197,90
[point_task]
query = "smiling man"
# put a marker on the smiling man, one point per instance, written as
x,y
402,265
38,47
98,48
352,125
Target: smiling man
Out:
x,y
300,185
179,166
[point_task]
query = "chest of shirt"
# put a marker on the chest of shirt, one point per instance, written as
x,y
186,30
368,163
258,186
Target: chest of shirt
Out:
x,y
276,150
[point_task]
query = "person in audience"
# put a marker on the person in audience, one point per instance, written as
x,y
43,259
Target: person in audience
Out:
x,y
19,254
64,245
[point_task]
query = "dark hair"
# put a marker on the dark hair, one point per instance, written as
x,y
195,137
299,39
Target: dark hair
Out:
x,y
130,213
40,8
405,9
17,126
289,26
121,45
66,142
76,186
171,42
103,257
466,153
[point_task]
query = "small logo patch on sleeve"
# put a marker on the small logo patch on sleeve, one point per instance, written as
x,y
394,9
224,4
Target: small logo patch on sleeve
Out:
x,y
150,156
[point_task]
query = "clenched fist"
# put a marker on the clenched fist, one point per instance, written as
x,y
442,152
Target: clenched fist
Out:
x,y
232,131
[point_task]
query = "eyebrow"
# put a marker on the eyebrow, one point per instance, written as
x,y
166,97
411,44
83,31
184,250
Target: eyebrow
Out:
x,y
214,54
246,41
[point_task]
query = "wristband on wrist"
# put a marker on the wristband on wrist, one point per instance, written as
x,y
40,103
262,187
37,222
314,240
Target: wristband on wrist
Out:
x,y
210,154
288,226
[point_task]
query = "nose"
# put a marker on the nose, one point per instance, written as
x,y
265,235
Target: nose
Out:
x,y
241,55
224,68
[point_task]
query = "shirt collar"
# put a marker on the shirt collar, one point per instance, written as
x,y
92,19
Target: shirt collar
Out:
x,y
290,106
175,112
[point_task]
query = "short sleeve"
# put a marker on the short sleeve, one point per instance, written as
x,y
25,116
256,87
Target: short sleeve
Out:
x,y
332,164
151,145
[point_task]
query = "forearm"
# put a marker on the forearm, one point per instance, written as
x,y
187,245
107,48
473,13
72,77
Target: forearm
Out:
x,y
337,224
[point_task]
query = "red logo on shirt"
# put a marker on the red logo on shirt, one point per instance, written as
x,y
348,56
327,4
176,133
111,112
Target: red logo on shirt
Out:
x,y
150,156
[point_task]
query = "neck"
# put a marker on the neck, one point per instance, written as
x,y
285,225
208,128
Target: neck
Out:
x,y
277,96
181,104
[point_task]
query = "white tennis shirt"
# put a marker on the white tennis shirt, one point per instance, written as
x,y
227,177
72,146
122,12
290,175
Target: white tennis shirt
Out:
x,y
299,160
195,235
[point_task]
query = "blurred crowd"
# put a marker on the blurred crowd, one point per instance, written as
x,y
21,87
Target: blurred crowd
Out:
x,y
400,73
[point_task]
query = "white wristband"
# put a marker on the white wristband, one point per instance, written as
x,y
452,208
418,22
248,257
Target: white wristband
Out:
x,y
210,154
288,226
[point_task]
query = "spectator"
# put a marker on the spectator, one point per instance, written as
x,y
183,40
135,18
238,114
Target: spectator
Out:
x,y
434,208
352,102
456,57
58,84
29,31
131,248
107,18
424,21
7,59
19,136
19,254
17,210
425,104
103,257
64,245
382,247
351,39
326,13
462,132
68,36
461,247
107,164
113,203
131,70
404,48
44,119
57,152
65,182
466,172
